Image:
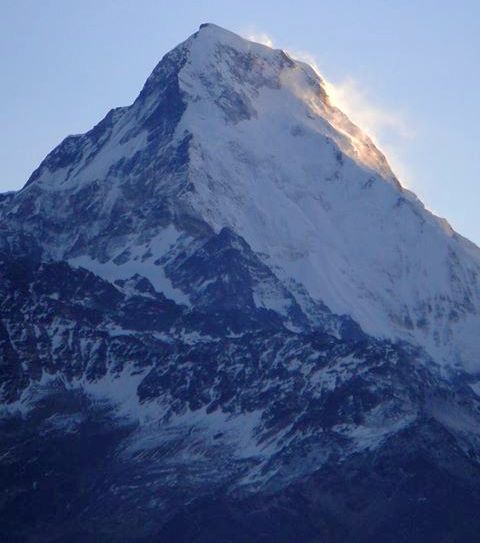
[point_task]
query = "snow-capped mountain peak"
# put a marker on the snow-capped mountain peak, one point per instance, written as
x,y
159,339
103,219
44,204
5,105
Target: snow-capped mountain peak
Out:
x,y
228,133
223,318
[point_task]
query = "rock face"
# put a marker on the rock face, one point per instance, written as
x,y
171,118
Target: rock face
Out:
x,y
223,319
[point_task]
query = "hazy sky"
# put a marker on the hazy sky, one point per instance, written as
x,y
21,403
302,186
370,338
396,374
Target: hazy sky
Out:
x,y
406,70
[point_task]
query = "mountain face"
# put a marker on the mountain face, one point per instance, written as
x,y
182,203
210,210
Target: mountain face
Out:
x,y
224,319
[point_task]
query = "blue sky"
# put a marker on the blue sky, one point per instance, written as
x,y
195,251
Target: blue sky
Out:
x,y
407,71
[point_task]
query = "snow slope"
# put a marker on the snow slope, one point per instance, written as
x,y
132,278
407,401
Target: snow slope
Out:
x,y
307,188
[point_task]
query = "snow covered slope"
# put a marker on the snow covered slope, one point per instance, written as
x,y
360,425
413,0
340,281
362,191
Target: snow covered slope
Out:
x,y
230,133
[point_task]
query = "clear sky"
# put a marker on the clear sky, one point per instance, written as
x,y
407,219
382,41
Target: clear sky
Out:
x,y
406,70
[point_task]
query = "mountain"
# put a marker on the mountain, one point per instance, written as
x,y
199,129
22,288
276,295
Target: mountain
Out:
x,y
224,319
